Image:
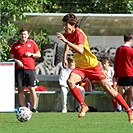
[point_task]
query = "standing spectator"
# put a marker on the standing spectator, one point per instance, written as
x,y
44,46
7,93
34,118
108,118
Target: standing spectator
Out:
x,y
123,67
24,51
86,64
64,74
109,71
132,95
132,88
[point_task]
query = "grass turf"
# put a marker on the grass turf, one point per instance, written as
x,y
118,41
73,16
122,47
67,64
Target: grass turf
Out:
x,y
52,122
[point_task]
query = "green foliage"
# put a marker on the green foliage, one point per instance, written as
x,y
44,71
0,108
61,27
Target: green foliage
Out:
x,y
12,11
91,6
40,37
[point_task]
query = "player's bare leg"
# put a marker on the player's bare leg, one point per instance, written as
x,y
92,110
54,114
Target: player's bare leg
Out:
x,y
21,96
129,96
33,98
106,86
75,78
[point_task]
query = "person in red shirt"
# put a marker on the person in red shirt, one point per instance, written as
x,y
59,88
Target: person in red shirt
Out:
x,y
87,65
123,67
24,51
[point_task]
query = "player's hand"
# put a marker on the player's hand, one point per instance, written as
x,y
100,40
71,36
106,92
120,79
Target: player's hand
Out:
x,y
28,54
20,64
61,37
64,64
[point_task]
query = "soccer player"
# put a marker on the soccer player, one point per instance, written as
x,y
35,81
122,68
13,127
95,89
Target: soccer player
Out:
x,y
86,64
123,67
24,51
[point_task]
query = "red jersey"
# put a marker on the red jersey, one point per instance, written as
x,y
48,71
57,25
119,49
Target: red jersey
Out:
x,y
19,49
123,66
87,59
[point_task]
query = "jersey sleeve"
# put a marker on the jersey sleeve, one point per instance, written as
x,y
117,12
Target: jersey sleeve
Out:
x,y
115,65
80,38
12,50
35,47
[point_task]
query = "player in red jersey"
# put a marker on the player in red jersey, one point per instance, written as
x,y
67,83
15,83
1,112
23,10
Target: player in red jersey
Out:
x,y
24,51
86,64
123,67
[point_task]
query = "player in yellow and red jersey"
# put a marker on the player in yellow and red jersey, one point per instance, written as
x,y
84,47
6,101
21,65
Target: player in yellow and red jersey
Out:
x,y
86,64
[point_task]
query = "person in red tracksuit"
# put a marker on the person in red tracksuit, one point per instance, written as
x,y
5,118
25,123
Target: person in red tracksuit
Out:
x,y
24,51
123,67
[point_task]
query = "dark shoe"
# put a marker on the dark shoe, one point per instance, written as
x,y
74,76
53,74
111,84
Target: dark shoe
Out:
x,y
34,110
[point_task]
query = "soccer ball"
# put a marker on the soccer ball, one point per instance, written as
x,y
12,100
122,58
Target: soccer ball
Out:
x,y
23,114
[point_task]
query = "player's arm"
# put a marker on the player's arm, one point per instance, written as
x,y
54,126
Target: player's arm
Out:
x,y
64,62
78,48
20,64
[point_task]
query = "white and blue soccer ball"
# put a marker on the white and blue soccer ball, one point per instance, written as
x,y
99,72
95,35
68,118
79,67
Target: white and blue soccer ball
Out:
x,y
23,114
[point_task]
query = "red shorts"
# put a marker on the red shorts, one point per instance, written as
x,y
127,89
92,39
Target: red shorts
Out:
x,y
94,73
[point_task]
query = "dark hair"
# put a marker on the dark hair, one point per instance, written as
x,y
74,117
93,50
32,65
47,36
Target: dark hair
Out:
x,y
70,59
24,29
49,50
104,59
127,37
71,19
94,48
111,49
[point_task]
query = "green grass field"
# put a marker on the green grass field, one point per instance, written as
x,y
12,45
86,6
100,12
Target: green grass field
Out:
x,y
52,122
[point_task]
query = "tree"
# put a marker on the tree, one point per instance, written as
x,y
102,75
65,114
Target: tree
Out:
x,y
11,11
91,6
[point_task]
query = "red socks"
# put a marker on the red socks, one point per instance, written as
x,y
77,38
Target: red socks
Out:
x,y
114,103
76,93
123,103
